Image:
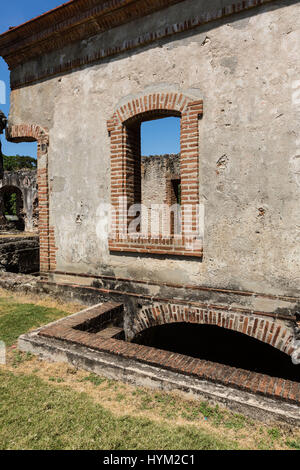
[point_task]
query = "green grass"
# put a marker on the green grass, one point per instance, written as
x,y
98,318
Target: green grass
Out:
x,y
16,319
292,444
19,358
94,379
36,415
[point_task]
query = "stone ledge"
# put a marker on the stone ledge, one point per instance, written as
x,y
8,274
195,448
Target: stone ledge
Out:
x,y
156,246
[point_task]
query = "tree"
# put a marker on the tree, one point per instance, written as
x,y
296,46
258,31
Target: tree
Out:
x,y
17,162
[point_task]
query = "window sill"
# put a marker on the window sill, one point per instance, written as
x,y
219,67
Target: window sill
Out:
x,y
174,245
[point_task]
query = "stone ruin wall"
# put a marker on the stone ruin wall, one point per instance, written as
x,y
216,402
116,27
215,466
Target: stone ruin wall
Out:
x,y
3,122
24,183
19,254
157,173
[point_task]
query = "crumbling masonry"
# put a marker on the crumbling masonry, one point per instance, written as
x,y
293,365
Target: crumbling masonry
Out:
x,y
18,254
24,184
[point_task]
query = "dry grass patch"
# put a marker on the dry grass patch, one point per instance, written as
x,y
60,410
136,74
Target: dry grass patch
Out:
x,y
41,300
169,409
17,235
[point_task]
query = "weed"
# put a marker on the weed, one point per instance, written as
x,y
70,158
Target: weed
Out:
x,y
56,379
20,357
274,433
94,379
293,444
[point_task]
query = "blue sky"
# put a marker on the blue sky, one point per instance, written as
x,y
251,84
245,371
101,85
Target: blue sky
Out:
x,y
158,137
161,136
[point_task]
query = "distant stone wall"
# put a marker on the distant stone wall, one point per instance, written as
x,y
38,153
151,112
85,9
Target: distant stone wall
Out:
x,y
24,182
158,171
3,122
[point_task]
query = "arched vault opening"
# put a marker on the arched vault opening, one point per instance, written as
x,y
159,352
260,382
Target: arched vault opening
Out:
x,y
220,345
279,334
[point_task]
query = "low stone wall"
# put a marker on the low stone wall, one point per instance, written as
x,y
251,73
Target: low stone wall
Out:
x,y
19,254
22,283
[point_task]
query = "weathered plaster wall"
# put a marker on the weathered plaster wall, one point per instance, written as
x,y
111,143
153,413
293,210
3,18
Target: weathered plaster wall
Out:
x,y
244,68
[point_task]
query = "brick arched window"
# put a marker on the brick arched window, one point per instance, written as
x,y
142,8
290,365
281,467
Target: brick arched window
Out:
x,y
124,130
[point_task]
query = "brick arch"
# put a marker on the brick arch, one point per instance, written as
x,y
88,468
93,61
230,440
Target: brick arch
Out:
x,y
124,133
27,133
154,102
275,332
32,133
151,115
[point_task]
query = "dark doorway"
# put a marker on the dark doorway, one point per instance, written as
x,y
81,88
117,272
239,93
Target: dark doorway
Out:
x,y
11,200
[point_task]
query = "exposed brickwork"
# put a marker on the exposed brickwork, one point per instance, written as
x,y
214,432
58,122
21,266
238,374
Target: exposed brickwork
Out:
x,y
248,381
80,19
110,312
31,133
52,250
267,330
124,129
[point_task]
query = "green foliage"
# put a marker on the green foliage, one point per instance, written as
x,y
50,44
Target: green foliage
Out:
x,y
20,357
17,162
94,379
274,433
293,444
10,204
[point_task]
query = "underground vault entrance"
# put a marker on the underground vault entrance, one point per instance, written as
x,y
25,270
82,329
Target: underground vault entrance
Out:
x,y
220,345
